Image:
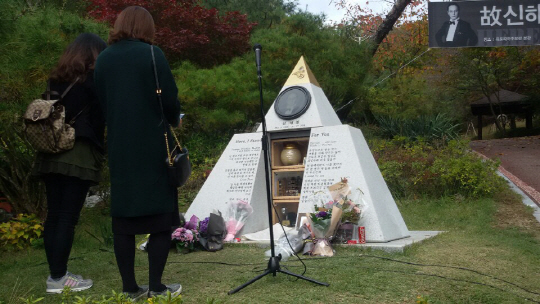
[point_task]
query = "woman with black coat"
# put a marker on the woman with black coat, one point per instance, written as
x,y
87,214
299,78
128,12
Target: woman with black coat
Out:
x,y
142,200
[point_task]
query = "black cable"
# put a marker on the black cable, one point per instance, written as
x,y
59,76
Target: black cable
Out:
x,y
289,242
402,272
219,263
464,280
444,266
453,267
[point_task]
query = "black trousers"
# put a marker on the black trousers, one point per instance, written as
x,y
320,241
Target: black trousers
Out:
x,y
65,198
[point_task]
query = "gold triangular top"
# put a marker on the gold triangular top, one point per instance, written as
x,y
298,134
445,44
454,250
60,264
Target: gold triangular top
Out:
x,y
301,74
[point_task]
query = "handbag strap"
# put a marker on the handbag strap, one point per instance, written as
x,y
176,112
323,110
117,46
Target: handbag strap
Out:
x,y
158,92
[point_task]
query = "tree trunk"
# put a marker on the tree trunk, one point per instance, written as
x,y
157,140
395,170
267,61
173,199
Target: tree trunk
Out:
x,y
388,23
497,122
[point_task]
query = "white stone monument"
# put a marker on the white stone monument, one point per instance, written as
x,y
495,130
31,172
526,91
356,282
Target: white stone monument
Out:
x,y
330,151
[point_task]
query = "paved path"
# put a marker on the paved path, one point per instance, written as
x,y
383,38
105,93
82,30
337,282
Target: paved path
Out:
x,y
520,160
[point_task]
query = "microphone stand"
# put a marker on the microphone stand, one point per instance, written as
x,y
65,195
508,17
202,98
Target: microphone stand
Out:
x,y
273,262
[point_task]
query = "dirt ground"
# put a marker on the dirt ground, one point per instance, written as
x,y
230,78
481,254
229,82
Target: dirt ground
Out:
x,y
520,160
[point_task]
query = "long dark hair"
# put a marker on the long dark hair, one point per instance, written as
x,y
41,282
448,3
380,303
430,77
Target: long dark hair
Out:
x,y
78,58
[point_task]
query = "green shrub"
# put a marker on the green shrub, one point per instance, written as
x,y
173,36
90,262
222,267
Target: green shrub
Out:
x,y
461,172
25,193
418,169
217,100
20,232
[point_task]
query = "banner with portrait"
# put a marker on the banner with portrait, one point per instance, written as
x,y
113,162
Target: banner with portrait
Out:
x,y
484,23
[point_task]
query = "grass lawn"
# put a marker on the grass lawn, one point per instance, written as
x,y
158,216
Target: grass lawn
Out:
x,y
489,254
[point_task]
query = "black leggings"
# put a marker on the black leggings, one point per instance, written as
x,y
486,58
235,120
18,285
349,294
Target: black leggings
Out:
x,y
159,245
65,198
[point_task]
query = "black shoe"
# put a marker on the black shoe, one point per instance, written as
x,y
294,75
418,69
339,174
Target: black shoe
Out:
x,y
174,289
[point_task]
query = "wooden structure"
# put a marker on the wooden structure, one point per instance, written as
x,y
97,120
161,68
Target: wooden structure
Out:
x,y
507,103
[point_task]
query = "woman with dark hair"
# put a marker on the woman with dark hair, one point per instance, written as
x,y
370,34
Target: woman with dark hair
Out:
x,y
142,200
69,175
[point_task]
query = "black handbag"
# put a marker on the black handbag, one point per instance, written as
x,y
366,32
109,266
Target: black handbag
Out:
x,y
178,164
177,161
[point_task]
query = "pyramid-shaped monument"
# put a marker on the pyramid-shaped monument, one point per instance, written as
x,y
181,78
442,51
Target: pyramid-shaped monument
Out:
x,y
301,120
319,112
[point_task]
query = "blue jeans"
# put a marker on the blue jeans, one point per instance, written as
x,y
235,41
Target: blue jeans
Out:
x,y
65,198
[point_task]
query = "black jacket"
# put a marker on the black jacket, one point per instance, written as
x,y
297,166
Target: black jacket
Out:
x,y
82,98
464,35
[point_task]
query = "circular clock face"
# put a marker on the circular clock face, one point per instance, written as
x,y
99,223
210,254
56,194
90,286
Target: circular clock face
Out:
x,y
292,103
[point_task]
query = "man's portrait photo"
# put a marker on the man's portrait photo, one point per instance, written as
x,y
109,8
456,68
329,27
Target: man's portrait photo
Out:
x,y
455,32
292,103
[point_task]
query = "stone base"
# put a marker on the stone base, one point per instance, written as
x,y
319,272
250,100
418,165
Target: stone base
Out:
x,y
392,246
398,245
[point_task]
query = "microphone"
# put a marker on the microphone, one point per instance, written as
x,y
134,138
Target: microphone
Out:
x,y
257,48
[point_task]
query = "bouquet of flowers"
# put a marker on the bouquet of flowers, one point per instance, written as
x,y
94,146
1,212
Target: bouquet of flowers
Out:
x,y
332,207
323,223
353,210
203,226
236,218
212,231
320,222
193,223
186,237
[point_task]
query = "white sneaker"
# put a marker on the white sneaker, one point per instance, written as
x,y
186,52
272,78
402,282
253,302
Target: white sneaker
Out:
x,y
74,282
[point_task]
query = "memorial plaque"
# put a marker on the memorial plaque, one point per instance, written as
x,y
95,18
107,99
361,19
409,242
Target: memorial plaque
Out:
x,y
241,166
324,165
233,178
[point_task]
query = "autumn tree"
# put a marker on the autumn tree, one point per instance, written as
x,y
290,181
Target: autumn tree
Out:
x,y
404,72
186,30
374,28
400,80
483,72
265,13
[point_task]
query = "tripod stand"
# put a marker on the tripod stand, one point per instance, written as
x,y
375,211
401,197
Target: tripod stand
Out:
x,y
273,262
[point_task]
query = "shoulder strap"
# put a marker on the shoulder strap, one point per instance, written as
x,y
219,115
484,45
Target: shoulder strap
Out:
x,y
72,121
68,88
158,88
158,92
48,92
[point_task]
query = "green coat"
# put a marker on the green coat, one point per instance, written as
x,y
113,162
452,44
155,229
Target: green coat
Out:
x,y
126,87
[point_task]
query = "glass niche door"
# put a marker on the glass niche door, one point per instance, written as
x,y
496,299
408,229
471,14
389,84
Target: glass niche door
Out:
x,y
288,163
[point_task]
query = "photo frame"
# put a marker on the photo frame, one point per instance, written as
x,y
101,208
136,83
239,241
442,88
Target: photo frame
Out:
x,y
292,103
